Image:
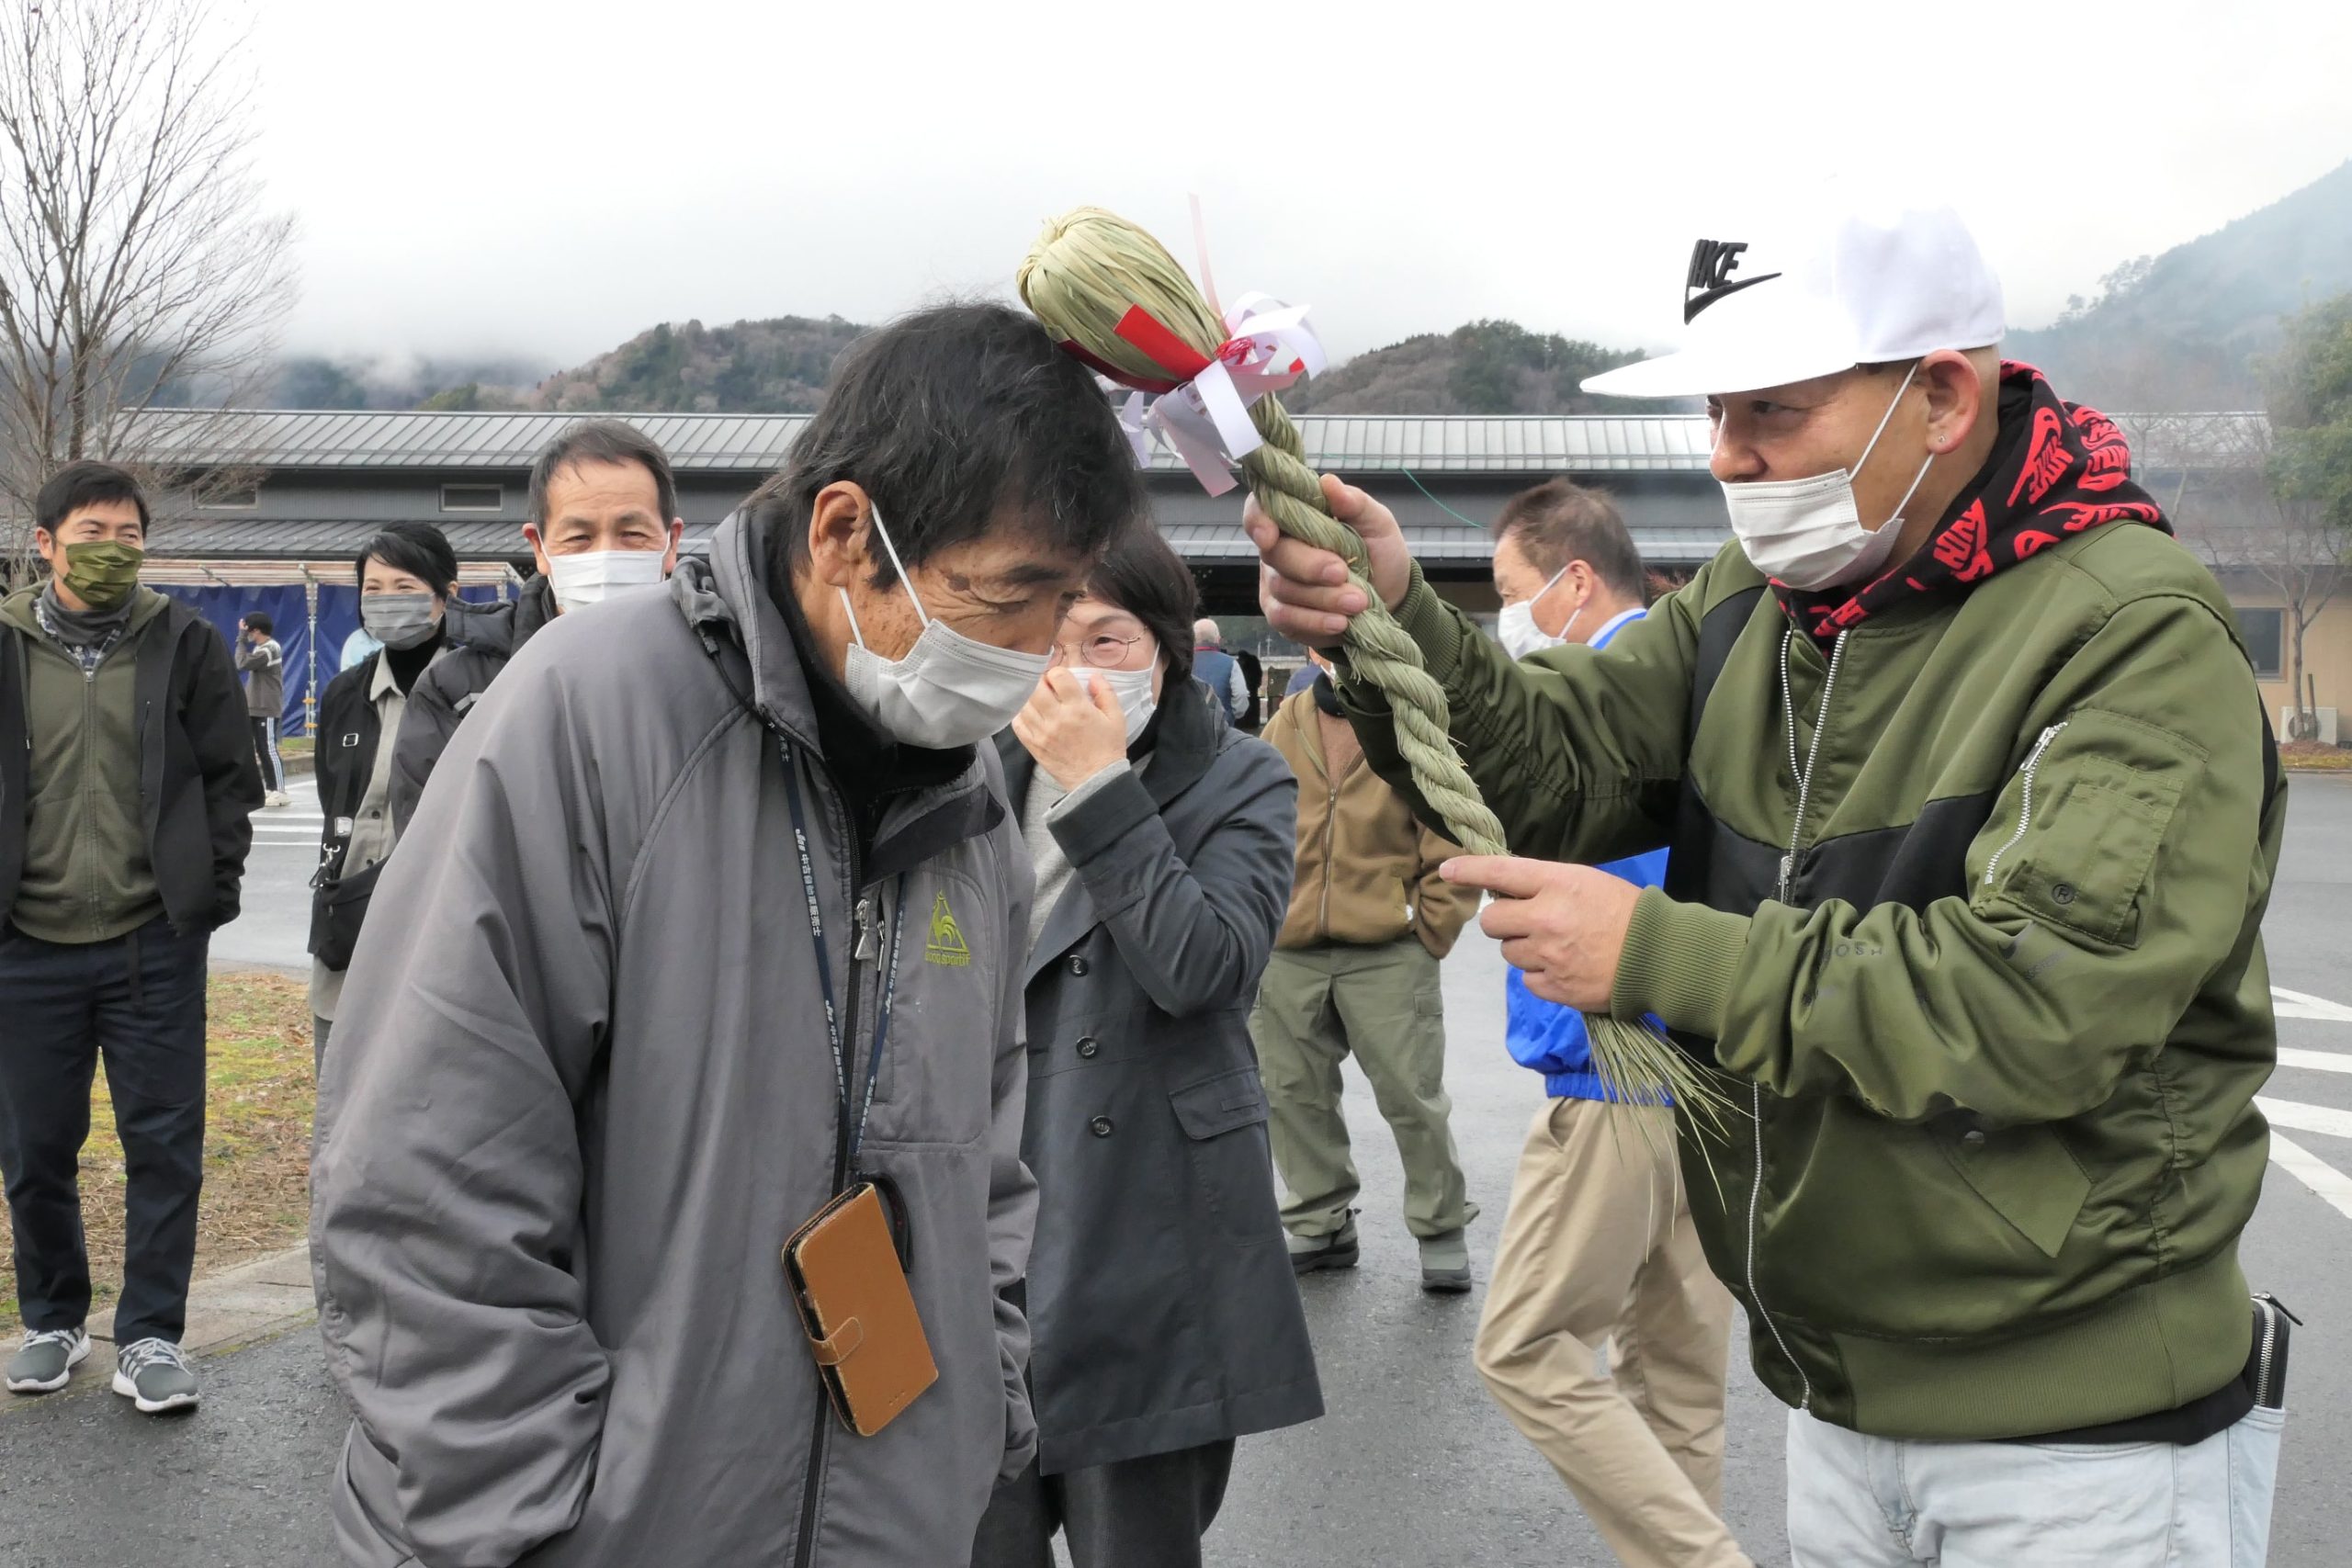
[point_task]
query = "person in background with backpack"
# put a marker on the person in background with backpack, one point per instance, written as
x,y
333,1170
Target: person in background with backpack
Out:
x,y
1219,671
407,576
263,664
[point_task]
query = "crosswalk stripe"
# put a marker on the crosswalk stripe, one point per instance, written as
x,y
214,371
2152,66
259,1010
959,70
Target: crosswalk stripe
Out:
x,y
2301,1004
2331,1185
2318,1060
2324,1120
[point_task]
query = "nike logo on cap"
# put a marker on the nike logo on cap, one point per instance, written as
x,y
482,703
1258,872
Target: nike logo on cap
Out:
x,y
1712,263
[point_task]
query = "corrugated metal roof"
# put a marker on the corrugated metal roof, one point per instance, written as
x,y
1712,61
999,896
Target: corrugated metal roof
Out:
x,y
724,442
265,539
271,538
275,438
756,443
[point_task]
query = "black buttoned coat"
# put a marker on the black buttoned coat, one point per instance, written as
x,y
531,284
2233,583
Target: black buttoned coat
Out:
x,y
1163,1310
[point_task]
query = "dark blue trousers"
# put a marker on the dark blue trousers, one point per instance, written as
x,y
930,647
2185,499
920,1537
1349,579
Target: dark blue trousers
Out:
x,y
138,1003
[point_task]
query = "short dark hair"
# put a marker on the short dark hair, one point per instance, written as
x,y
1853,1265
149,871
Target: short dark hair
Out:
x,y
1558,521
259,621
948,415
603,441
418,548
87,483
1142,575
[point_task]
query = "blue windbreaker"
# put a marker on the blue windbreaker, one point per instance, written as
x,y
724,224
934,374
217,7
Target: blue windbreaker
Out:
x,y
1551,1038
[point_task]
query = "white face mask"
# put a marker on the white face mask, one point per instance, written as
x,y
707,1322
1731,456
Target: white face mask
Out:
x,y
595,576
1808,533
948,690
1516,625
1133,688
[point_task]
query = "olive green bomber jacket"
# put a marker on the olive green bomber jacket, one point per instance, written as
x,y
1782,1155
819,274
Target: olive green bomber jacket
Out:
x,y
1997,1019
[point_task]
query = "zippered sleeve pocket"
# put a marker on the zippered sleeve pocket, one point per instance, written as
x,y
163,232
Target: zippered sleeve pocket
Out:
x,y
2074,838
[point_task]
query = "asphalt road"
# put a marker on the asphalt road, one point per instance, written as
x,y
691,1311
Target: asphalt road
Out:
x,y
273,929
1412,1466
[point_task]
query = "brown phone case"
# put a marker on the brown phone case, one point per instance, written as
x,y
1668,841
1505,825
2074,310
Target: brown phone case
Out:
x,y
872,1354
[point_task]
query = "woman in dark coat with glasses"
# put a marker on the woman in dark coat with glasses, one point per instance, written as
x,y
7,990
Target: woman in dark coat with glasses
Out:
x,y
1165,1318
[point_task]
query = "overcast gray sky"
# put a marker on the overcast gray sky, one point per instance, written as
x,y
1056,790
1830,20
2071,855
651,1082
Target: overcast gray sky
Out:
x,y
549,178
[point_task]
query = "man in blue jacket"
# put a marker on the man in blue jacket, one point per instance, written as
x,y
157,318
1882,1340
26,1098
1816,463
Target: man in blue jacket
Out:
x,y
1605,1335
1219,671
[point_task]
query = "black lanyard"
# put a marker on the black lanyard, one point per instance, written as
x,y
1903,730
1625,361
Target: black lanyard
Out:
x,y
854,1133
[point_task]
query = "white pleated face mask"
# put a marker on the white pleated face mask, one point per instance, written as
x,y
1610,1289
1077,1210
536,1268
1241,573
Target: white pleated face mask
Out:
x,y
948,690
1516,629
1133,688
1808,533
593,576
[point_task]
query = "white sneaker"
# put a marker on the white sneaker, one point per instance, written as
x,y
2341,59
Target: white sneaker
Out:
x,y
46,1359
155,1375
275,798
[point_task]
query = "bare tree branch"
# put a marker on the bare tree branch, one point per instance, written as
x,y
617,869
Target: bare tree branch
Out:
x,y
138,262
2239,522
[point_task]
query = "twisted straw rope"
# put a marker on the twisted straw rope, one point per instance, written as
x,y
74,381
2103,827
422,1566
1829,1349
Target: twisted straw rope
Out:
x,y
1080,279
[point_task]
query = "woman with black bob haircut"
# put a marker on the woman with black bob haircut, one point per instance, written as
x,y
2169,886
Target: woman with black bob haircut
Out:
x,y
1164,1316
406,576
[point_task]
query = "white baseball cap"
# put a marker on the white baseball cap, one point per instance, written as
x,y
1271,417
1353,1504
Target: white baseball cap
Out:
x,y
1851,287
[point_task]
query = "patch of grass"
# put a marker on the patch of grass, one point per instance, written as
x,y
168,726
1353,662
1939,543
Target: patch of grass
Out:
x,y
257,1195
2312,755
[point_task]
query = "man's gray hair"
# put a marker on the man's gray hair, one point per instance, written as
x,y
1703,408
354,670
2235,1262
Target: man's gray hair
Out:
x,y
1206,635
603,441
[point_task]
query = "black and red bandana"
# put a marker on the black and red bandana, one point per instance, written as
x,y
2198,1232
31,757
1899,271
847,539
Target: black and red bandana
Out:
x,y
2056,468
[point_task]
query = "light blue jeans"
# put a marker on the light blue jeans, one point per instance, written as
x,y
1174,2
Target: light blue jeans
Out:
x,y
1857,1501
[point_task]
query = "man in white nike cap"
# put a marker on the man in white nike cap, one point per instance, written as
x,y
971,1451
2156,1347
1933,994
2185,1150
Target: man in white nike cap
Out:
x,y
1973,816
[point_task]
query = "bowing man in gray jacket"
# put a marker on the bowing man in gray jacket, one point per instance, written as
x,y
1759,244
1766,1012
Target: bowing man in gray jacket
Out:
x,y
1166,1315
715,907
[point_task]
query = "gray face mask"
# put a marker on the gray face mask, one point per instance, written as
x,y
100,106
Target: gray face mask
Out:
x,y
400,620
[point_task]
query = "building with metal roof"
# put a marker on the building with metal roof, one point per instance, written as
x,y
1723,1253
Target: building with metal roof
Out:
x,y
325,481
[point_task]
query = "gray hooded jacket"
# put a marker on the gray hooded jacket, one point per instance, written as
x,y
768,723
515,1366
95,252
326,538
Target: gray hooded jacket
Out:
x,y
582,1090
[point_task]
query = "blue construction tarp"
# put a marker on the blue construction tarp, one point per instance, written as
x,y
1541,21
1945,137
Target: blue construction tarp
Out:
x,y
289,614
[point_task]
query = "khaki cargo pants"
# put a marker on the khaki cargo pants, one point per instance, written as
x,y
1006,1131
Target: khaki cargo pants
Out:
x,y
1315,1006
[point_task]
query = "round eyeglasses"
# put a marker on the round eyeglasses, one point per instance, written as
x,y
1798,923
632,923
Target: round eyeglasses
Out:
x,y
1101,652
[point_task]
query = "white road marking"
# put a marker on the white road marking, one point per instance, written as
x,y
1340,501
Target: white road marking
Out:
x,y
2324,1120
2301,1004
2318,1060
2331,1185
294,826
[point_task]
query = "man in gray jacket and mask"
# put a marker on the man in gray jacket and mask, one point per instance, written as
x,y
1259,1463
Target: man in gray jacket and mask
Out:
x,y
678,947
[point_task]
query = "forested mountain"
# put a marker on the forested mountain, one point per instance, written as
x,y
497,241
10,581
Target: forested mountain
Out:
x,y
2185,330
771,367
1481,367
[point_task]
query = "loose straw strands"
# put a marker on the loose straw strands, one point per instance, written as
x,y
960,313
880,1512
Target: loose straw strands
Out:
x,y
1639,1066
